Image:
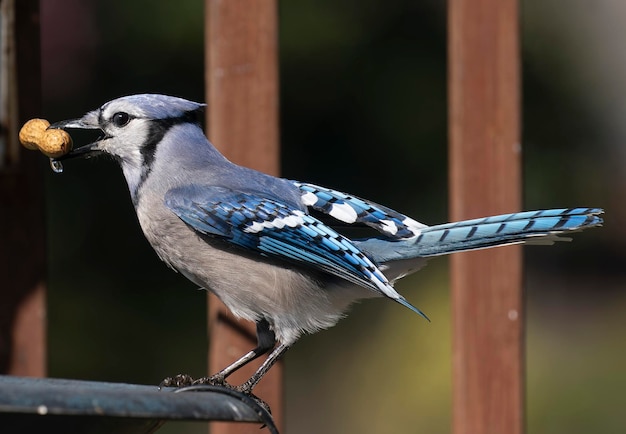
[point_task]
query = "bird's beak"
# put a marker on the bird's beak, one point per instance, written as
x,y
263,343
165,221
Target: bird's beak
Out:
x,y
87,122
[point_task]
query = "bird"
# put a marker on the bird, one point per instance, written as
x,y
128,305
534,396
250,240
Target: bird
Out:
x,y
272,249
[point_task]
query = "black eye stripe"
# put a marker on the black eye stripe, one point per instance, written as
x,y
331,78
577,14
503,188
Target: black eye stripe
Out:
x,y
157,128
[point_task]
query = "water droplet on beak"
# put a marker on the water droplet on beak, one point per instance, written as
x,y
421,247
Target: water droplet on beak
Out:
x,y
56,166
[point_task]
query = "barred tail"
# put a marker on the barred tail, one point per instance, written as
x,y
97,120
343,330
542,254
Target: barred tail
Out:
x,y
530,227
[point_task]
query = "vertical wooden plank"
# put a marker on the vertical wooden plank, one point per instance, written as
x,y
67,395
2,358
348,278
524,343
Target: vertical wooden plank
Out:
x,y
242,81
22,236
485,178
242,117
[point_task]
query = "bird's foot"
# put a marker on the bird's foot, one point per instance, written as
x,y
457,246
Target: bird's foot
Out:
x,y
244,388
180,380
213,380
247,390
184,380
219,380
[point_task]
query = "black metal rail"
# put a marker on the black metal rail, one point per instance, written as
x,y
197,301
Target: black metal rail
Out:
x,y
48,404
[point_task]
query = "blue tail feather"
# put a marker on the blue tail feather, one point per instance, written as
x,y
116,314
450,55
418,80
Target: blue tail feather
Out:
x,y
530,226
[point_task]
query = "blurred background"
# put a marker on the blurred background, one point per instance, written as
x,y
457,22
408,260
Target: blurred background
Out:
x,y
363,109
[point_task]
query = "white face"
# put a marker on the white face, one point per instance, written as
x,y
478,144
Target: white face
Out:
x,y
126,133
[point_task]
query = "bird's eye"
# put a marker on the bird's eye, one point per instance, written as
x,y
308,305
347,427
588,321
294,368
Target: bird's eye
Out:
x,y
120,119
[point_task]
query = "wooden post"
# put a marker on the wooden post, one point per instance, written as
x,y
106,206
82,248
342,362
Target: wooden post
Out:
x,y
242,117
485,178
22,236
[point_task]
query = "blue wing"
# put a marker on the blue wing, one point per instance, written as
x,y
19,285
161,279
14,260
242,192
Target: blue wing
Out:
x,y
277,230
351,209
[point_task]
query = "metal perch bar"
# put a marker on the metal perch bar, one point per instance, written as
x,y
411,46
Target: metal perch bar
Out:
x,y
38,404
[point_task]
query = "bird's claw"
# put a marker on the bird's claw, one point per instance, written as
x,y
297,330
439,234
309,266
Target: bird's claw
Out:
x,y
184,380
180,380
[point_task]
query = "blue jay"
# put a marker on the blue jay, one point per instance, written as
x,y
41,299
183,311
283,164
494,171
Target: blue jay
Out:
x,y
256,241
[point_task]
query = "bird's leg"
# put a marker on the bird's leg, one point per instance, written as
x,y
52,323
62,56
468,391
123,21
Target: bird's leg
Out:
x,y
265,342
219,378
269,362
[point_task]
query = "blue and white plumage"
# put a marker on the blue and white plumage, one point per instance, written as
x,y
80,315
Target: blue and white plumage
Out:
x,y
254,239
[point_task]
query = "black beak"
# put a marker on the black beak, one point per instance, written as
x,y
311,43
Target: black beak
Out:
x,y
84,123
87,122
